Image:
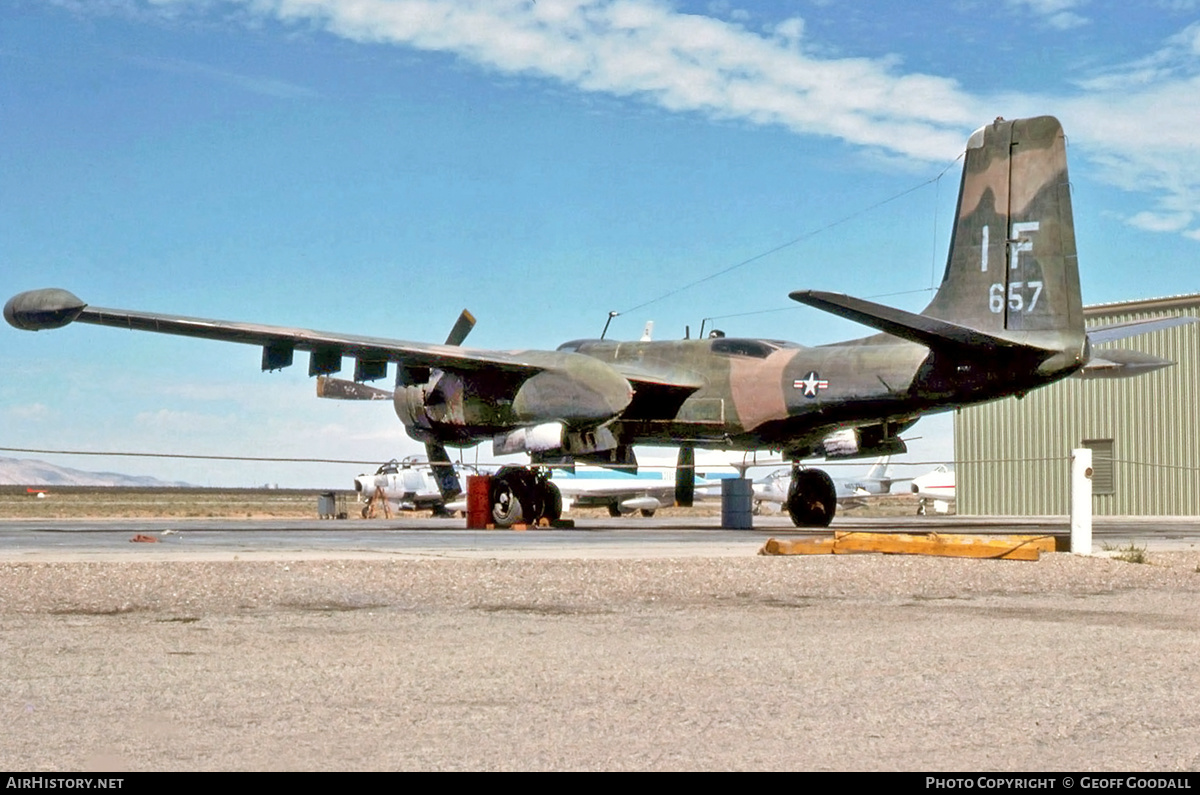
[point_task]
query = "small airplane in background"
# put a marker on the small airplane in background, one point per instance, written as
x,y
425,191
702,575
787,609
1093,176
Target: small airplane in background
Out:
x,y
935,487
620,492
772,489
411,484
624,492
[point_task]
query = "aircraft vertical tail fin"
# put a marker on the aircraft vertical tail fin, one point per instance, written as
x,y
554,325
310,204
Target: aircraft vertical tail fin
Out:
x,y
1012,270
881,469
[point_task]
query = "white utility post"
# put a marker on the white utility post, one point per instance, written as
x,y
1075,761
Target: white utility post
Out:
x,y
1081,501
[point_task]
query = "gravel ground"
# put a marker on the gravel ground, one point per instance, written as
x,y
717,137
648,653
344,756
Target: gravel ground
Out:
x,y
862,662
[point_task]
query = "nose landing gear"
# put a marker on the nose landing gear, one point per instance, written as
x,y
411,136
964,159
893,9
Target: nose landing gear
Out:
x,y
812,498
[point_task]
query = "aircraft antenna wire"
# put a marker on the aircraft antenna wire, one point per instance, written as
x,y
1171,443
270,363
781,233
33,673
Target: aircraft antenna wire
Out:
x,y
356,462
795,307
937,192
793,241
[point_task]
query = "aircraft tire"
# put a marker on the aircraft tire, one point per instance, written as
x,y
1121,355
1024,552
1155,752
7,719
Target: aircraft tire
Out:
x,y
614,510
534,501
647,512
812,499
552,503
509,498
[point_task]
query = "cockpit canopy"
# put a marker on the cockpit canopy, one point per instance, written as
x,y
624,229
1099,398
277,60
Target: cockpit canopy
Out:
x,y
728,346
740,346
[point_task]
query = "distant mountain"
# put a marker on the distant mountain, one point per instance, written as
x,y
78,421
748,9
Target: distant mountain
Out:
x,y
28,472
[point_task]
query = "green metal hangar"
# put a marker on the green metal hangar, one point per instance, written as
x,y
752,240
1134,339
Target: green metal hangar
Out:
x,y
1013,456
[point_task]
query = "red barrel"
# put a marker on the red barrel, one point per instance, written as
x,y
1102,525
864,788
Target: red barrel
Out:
x,y
479,501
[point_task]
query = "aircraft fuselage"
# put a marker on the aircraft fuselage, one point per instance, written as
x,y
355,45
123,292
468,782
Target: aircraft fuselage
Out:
x,y
746,393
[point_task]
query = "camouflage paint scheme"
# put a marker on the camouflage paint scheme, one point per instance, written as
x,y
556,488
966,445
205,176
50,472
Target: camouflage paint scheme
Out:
x,y
1007,318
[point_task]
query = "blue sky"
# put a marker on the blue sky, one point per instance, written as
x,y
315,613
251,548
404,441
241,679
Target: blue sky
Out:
x,y
373,167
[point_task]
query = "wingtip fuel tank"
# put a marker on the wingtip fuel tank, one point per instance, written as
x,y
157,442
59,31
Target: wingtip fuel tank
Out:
x,y
42,309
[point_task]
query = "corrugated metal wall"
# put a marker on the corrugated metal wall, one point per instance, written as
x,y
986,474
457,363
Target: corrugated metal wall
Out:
x,y
1013,456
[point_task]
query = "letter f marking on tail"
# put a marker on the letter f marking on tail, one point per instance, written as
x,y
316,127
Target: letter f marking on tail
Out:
x,y
1020,241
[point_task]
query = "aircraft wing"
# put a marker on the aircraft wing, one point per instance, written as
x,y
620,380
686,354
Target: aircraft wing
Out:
x,y
657,392
53,308
659,377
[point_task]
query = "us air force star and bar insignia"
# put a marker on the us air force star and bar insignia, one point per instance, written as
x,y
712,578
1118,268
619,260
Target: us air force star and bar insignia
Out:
x,y
810,384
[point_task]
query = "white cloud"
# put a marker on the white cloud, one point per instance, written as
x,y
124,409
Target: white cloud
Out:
x,y
681,62
1177,59
1160,222
1136,122
1057,14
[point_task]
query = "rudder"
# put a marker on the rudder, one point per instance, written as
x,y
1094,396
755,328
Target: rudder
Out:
x,y
1012,269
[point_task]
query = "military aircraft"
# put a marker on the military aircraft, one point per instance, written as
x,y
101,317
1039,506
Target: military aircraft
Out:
x,y
617,490
624,492
411,484
1006,319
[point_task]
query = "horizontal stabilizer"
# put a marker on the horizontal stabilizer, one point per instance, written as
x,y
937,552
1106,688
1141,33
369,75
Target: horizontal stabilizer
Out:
x,y
1118,363
1119,331
928,331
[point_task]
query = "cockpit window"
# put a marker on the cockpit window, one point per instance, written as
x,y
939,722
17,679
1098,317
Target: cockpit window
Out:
x,y
572,346
735,346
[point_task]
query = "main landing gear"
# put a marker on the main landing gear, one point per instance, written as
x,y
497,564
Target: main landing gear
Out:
x,y
812,498
524,495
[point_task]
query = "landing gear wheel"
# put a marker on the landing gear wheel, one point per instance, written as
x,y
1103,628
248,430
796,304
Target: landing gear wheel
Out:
x,y
523,495
614,510
552,503
647,512
509,498
812,499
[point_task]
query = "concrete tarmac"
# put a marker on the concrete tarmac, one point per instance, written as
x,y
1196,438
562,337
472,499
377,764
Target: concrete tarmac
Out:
x,y
423,536
627,645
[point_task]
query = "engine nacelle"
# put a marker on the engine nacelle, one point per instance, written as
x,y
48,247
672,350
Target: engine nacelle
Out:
x,y
585,391
450,409
469,406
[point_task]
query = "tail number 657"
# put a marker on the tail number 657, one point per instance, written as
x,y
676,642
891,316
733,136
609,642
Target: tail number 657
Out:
x,y
1021,297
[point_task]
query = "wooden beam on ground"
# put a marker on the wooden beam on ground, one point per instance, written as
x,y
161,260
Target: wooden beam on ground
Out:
x,y
956,545
797,546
